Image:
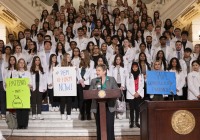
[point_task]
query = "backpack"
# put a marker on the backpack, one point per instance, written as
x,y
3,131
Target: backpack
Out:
x,y
11,121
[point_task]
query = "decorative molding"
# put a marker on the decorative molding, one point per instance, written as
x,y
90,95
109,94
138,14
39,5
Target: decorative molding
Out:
x,y
10,14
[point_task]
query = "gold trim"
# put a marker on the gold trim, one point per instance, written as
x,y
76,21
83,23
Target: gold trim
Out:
x,y
102,94
183,122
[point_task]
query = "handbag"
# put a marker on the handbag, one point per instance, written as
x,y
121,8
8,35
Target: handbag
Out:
x,y
121,105
11,121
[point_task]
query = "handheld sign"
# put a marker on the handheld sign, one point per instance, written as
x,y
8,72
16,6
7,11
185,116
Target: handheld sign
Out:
x,y
17,93
161,82
64,81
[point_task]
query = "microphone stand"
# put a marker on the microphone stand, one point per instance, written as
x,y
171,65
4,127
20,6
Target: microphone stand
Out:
x,y
172,93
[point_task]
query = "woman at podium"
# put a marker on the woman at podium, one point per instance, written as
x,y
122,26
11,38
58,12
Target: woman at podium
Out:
x,y
104,82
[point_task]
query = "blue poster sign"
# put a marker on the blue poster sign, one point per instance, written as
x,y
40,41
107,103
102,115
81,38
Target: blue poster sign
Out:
x,y
161,82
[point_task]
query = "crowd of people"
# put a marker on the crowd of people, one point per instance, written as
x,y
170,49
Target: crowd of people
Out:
x,y
124,38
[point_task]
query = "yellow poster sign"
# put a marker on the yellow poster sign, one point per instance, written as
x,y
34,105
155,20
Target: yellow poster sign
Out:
x,y
17,93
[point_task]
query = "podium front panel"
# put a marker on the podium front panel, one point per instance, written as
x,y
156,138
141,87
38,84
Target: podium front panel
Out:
x,y
156,120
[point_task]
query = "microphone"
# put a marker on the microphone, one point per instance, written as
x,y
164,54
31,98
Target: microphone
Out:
x,y
172,93
99,83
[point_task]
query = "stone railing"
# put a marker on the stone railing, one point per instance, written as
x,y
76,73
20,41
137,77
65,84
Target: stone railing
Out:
x,y
26,10
169,8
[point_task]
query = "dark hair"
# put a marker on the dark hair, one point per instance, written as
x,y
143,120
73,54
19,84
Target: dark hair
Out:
x,y
26,46
42,16
167,27
80,29
162,37
40,34
155,18
137,73
73,52
33,66
178,66
47,42
34,49
163,59
184,33
196,61
47,24
9,65
188,50
88,46
50,60
146,62
72,42
121,64
33,33
63,48
142,37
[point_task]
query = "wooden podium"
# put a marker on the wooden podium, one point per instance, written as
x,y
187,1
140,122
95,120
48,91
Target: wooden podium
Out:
x,y
170,120
102,96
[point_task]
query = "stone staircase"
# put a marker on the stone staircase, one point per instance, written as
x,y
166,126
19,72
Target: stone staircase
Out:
x,y
52,125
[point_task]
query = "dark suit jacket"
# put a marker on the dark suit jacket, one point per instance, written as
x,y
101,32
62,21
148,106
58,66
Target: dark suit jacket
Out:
x,y
110,84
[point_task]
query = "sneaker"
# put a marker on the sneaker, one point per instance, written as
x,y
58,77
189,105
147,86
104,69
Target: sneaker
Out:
x,y
73,109
63,117
39,116
56,109
119,116
51,109
68,117
33,117
77,110
3,117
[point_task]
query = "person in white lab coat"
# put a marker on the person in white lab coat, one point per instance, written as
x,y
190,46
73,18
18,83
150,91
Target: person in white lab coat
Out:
x,y
66,62
135,92
174,66
119,72
83,77
194,82
39,86
22,114
60,51
53,101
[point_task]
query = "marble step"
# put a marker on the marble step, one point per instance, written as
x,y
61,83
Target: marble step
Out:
x,y
63,131
74,115
67,124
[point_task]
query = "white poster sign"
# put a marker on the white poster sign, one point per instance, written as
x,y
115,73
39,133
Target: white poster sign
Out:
x,y
64,81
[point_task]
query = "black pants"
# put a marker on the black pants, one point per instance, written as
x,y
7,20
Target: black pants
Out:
x,y
22,117
2,99
54,101
75,100
63,101
110,119
134,108
84,105
36,100
146,96
185,93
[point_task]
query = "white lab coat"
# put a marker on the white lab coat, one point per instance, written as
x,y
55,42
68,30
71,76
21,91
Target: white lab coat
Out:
x,y
81,43
123,74
180,82
42,81
101,41
193,85
86,76
130,86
